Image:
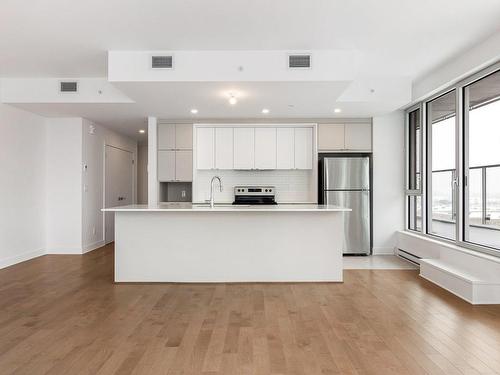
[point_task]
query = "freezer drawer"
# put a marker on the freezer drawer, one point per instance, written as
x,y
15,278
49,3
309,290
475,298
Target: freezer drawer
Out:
x,y
356,222
346,173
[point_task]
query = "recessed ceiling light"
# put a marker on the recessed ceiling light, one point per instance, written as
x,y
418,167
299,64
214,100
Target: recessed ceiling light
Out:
x,y
232,100
142,131
265,111
337,110
194,111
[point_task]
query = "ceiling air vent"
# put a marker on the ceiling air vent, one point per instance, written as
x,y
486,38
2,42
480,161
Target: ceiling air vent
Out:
x,y
162,62
68,86
299,61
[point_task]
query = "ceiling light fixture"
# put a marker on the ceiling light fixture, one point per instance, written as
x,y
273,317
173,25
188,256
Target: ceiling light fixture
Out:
x,y
337,110
265,111
194,111
232,99
142,131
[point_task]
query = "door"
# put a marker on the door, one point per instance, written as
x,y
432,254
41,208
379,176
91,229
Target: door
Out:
x,y
285,148
244,148
303,148
265,148
205,148
118,185
166,137
184,166
358,137
224,148
166,165
345,173
331,137
356,222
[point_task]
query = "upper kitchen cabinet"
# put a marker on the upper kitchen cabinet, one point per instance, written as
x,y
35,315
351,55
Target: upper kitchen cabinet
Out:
x,y
358,137
184,165
285,148
265,148
205,148
345,137
303,148
166,137
244,148
224,148
175,137
331,137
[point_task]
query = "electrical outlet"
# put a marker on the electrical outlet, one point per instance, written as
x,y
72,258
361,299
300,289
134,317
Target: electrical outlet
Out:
x,y
183,193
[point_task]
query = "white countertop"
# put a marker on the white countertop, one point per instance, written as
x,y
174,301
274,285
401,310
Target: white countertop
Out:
x,y
194,207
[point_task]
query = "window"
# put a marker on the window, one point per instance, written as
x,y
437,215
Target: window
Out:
x,y
414,168
453,178
482,161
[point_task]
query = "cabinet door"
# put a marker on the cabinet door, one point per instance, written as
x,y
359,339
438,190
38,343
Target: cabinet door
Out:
x,y
285,148
265,148
184,166
244,148
331,137
205,148
166,165
358,137
183,137
303,148
224,148
166,137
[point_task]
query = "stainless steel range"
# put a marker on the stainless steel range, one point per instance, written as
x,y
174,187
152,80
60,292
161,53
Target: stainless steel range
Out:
x,y
254,195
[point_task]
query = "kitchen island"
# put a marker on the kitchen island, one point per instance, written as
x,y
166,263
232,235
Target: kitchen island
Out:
x,y
183,242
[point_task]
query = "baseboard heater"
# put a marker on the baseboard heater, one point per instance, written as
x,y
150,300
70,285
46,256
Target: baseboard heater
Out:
x,y
409,257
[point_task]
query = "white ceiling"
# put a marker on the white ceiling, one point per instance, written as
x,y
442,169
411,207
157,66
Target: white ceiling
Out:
x,y
397,38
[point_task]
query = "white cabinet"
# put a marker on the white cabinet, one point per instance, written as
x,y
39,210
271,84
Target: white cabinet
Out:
x,y
205,148
183,165
358,137
224,148
183,136
303,148
166,137
166,165
244,148
265,148
345,137
285,148
331,136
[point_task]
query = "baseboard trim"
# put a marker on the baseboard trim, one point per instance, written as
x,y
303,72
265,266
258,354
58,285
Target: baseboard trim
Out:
x,y
383,251
93,246
7,262
65,250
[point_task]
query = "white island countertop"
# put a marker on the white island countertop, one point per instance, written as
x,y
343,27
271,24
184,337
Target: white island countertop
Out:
x,y
226,207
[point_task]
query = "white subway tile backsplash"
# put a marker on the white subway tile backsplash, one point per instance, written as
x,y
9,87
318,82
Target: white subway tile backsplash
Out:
x,y
292,186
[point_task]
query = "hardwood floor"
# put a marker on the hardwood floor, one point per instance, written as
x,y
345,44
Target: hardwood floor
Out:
x,y
62,314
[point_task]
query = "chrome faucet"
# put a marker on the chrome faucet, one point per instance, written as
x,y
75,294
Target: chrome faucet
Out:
x,y
212,189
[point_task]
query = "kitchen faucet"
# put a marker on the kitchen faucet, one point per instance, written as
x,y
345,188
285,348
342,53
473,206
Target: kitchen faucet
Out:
x,y
212,189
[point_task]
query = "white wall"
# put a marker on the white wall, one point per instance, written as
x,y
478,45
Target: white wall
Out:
x,y
64,176
95,138
388,180
142,174
22,185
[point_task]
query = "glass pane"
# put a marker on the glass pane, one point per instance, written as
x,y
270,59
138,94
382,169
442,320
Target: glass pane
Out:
x,y
415,213
483,110
442,215
414,150
476,196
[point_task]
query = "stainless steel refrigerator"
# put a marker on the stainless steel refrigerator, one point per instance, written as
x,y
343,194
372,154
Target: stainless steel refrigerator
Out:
x,y
346,182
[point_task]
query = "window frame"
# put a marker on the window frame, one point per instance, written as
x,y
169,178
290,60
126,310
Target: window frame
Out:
x,y
461,157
